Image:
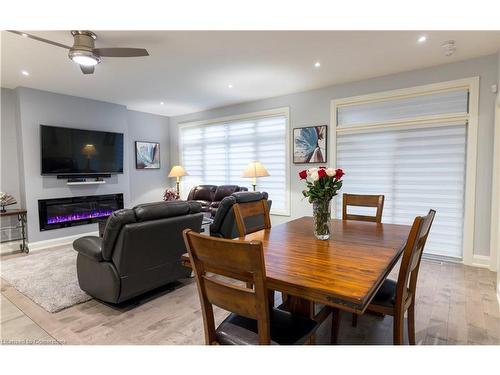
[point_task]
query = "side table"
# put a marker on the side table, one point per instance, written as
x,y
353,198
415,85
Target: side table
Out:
x,y
22,224
205,226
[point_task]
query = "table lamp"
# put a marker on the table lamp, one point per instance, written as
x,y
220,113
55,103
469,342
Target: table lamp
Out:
x,y
255,169
177,171
89,150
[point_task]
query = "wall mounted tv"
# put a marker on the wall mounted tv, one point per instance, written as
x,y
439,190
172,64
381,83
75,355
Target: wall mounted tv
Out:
x,y
67,151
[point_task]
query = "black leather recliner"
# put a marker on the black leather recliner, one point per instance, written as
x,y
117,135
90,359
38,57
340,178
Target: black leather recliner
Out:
x,y
210,196
140,250
224,224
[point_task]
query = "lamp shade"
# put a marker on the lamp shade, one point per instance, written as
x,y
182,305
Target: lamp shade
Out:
x,y
177,171
255,169
89,150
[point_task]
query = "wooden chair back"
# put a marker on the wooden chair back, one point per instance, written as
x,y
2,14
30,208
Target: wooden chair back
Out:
x,y
412,256
242,211
240,260
363,201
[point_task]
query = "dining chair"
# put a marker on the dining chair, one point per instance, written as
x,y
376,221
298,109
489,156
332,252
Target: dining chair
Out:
x,y
252,321
244,212
362,201
396,297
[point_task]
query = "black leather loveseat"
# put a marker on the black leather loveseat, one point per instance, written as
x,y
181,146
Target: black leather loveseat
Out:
x,y
210,196
224,224
140,250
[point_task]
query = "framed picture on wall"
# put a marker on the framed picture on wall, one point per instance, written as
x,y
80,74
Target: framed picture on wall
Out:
x,y
310,144
147,155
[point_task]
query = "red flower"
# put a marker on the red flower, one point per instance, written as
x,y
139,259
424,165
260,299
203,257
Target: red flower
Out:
x,y
322,173
303,174
339,173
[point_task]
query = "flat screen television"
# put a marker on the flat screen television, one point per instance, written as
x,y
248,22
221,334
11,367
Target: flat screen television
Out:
x,y
67,151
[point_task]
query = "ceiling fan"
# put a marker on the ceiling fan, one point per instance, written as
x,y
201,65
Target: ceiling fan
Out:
x,y
83,51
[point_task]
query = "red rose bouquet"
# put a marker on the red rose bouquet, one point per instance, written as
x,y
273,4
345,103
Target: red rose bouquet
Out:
x,y
322,185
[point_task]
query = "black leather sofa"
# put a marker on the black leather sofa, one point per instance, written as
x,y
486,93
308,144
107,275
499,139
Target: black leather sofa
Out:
x,y
224,224
210,196
140,250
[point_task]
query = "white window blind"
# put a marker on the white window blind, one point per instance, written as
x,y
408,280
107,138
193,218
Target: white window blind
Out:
x,y
217,153
416,167
442,103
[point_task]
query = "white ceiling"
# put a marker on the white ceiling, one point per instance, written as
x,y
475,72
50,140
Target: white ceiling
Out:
x,y
190,70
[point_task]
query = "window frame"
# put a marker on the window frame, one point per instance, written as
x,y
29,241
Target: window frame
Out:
x,y
282,111
472,85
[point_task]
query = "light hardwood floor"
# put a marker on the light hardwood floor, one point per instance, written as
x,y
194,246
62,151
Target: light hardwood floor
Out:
x,y
455,305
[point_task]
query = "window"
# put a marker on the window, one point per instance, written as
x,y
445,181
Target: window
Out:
x,y
411,147
218,151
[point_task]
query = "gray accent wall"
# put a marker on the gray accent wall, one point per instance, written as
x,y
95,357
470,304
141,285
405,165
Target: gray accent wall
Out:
x,y
313,108
25,109
148,185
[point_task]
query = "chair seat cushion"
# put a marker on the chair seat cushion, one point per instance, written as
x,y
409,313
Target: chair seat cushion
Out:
x,y
286,329
386,295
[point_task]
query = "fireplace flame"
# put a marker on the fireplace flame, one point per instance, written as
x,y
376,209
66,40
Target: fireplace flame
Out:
x,y
79,216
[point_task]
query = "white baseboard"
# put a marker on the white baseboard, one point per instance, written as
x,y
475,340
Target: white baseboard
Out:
x,y
481,261
61,241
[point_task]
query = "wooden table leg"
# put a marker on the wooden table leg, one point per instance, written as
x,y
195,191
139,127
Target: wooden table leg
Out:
x,y
298,306
335,325
305,307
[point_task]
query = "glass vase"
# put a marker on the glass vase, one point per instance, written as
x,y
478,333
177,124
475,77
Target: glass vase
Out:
x,y
321,217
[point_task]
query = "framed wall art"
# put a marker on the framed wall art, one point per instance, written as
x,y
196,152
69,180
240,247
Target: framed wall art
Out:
x,y
310,144
147,155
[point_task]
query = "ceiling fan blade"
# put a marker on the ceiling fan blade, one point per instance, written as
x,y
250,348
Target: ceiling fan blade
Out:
x,y
87,69
39,39
121,52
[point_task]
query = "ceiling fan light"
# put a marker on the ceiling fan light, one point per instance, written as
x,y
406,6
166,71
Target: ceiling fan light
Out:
x,y
85,60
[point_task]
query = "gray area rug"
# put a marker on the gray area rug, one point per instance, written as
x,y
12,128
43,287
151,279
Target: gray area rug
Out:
x,y
48,278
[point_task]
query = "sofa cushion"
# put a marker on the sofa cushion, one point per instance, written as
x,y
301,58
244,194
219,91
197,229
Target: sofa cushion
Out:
x,y
249,196
224,191
160,210
202,193
114,225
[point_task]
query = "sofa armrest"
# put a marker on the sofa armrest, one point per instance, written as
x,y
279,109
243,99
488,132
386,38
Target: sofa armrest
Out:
x,y
215,204
90,246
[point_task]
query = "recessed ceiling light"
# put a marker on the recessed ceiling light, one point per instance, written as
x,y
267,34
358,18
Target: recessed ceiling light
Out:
x,y
25,73
230,86
317,64
422,39
161,103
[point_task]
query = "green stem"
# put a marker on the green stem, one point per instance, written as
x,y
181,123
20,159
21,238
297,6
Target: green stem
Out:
x,y
321,214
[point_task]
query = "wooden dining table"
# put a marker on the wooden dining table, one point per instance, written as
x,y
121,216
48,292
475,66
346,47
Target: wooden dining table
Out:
x,y
343,272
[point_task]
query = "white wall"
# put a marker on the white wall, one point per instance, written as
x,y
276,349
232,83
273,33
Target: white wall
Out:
x,y
9,177
496,191
313,108
25,109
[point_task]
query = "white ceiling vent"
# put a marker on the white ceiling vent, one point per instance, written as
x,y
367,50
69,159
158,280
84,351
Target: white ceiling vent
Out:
x,y
449,47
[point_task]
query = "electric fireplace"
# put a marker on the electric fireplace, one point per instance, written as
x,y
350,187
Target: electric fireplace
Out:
x,y
68,212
